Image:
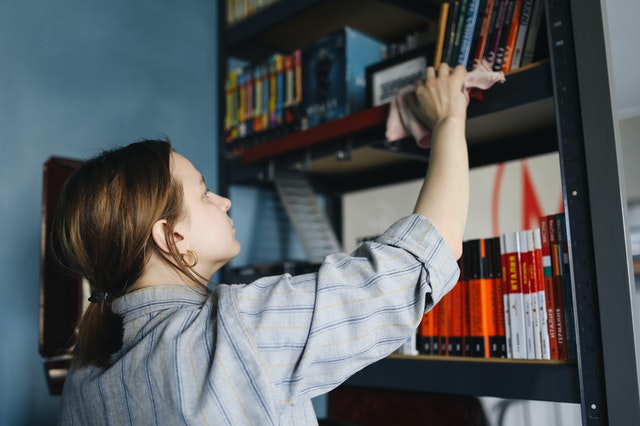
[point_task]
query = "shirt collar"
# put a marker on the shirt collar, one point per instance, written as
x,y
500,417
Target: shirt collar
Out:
x,y
155,298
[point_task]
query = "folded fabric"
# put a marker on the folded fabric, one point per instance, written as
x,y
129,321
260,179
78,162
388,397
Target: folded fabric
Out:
x,y
403,121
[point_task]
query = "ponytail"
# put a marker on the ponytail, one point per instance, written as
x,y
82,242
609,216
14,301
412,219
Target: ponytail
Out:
x,y
102,232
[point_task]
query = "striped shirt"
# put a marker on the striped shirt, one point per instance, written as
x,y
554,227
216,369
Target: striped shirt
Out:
x,y
255,354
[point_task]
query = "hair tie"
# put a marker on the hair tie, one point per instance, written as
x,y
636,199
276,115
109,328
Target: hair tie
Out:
x,y
101,297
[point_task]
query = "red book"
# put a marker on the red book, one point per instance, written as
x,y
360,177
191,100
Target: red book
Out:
x,y
510,45
457,317
547,277
515,296
558,297
537,273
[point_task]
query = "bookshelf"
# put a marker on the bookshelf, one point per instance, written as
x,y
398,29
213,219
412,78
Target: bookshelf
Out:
x,y
556,104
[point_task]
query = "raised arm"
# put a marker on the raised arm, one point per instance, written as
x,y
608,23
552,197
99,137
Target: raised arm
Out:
x,y
444,196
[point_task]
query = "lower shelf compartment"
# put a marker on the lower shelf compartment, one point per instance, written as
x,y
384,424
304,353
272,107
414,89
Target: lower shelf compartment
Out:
x,y
503,378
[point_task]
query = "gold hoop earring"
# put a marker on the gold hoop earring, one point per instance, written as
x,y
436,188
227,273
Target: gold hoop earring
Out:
x,y
195,259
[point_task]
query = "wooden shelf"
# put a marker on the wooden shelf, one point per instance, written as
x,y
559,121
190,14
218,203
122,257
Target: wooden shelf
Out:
x,y
503,378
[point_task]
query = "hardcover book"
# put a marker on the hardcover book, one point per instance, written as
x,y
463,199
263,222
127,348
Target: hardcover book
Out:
x,y
333,74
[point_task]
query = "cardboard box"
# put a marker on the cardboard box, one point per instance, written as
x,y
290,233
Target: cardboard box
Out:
x,y
333,74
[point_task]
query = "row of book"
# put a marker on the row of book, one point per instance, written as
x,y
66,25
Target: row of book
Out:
x,y
263,97
504,33
513,299
238,10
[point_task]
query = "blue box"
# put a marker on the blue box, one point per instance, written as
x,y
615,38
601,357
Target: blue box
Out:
x,y
334,74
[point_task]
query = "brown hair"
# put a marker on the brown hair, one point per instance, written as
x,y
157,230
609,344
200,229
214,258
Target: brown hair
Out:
x,y
102,231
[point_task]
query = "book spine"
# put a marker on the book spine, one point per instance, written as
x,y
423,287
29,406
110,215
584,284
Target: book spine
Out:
x,y
496,275
525,20
541,294
443,326
273,90
248,118
533,284
532,33
525,262
468,31
280,89
504,34
505,295
547,272
514,26
440,35
556,253
495,33
482,33
516,296
450,32
456,347
567,293
426,331
457,36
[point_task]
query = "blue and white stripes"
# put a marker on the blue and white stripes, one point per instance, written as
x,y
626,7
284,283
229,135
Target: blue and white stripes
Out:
x,y
256,354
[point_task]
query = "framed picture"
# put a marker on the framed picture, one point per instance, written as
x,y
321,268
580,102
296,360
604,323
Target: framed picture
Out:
x,y
386,78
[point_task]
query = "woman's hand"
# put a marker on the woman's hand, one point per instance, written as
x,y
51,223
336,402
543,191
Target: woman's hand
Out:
x,y
442,96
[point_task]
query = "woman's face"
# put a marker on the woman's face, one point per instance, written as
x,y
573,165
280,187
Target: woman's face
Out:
x,y
206,228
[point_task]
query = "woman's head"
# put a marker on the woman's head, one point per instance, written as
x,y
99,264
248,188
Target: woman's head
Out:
x,y
121,214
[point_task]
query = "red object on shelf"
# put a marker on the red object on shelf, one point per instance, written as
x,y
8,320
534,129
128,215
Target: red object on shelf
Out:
x,y
350,125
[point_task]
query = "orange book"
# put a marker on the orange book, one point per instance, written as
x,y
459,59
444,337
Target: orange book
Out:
x,y
440,35
444,315
511,37
482,325
456,318
495,273
426,333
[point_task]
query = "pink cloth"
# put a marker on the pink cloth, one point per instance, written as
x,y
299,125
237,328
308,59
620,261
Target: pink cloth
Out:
x,y
403,122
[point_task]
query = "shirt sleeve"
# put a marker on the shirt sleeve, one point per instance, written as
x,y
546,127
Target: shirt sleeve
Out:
x,y
311,332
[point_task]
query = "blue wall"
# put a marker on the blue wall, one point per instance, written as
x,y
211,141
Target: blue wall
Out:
x,y
78,76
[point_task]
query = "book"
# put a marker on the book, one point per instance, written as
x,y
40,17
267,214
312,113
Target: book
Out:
x,y
565,277
426,333
450,30
523,30
440,34
495,31
547,277
504,35
482,309
459,30
514,28
532,33
457,316
558,296
444,316
505,296
538,273
526,282
515,296
482,32
467,32
497,341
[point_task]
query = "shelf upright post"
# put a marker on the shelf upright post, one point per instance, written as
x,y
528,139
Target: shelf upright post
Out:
x,y
594,211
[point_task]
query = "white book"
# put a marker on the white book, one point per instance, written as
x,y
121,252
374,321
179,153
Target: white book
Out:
x,y
542,299
515,296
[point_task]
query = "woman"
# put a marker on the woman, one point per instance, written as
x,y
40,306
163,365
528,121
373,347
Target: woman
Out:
x,y
156,346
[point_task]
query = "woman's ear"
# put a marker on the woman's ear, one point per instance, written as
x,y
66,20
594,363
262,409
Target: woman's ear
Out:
x,y
159,235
